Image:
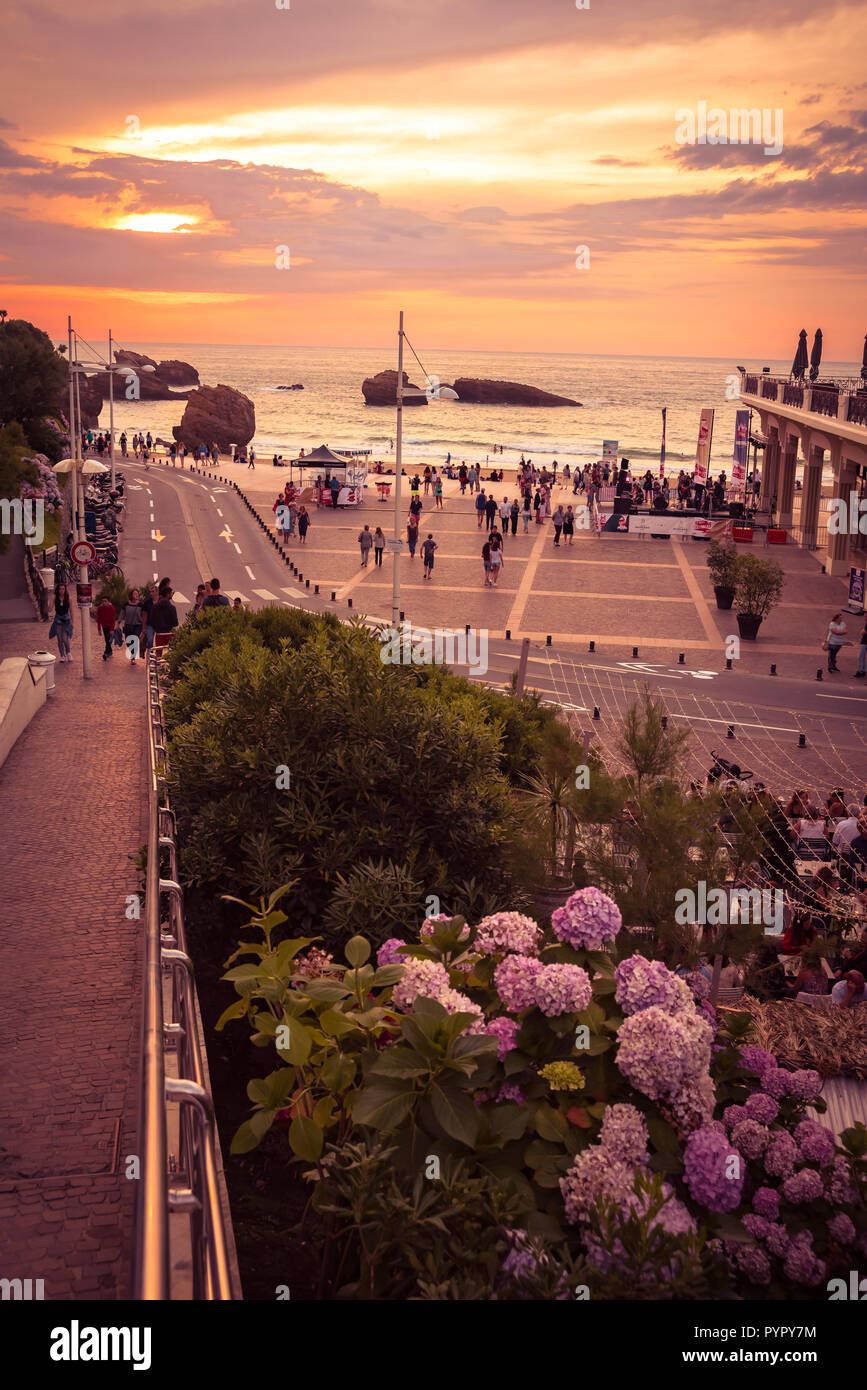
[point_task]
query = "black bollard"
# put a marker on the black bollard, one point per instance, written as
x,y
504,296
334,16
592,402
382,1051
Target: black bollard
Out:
x,y
592,646
635,651
731,731
819,674
349,603
773,668
595,711
548,640
802,740
664,721
681,659
333,596
316,588
508,634
728,663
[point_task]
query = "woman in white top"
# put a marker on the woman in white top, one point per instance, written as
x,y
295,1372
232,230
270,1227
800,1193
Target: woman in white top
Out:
x,y
836,635
809,827
497,562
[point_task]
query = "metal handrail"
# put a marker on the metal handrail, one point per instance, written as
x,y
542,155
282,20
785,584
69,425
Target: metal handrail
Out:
x,y
165,950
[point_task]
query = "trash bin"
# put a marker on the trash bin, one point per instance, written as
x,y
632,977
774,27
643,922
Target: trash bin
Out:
x,y
46,659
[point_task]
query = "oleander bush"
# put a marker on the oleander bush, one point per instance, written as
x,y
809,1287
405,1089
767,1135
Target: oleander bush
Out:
x,y
501,1111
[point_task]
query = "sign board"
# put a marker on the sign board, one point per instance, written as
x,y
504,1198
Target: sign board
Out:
x,y
393,544
856,590
741,450
609,449
82,552
702,452
665,524
84,595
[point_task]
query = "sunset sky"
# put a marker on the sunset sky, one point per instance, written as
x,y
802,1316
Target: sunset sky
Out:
x,y
443,159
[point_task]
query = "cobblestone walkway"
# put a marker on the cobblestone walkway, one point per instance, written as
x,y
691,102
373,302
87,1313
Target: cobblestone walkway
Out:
x,y
72,809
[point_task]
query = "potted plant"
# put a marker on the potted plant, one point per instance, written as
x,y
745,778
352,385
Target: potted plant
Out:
x,y
722,558
547,844
758,586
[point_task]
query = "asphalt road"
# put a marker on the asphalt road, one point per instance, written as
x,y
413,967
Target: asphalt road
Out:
x,y
190,527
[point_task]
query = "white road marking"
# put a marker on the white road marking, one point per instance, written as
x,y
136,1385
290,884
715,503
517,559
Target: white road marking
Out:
x,y
213,498
859,698
265,593
237,547
154,555
249,571
179,598
295,593
219,513
234,593
736,723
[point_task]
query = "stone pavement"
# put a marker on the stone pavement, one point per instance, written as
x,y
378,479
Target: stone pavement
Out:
x,y
73,803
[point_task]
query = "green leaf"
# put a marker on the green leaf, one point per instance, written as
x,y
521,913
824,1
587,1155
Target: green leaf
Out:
x,y
593,1016
727,1227
597,1045
384,1104
243,972
335,1023
261,1122
663,1136
306,1138
475,1045
550,1124
604,984
402,1063
338,1072
245,1139
266,1022
300,1041
387,975
324,1112
259,1091
236,1010
507,1121
456,1113
357,951
419,1039
328,990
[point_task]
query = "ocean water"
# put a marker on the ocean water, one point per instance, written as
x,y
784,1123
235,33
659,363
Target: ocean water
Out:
x,y
621,398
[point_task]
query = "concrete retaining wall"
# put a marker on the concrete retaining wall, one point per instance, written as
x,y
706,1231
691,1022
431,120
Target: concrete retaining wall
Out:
x,y
22,692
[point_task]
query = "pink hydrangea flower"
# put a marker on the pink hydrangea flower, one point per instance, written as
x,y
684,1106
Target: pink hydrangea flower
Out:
x,y
515,982
766,1201
643,984
804,1186
624,1133
505,1030
816,1142
761,1107
659,1052
388,952
590,920
507,932
562,989
750,1138
712,1170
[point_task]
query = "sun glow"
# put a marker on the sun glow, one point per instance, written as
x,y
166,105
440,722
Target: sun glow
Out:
x,y
156,222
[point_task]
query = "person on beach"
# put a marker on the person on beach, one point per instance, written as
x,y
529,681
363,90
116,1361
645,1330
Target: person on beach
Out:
x,y
438,491
427,550
378,546
569,524
414,486
497,560
303,523
365,541
481,503
473,478
426,476
836,635
558,519
61,626
490,512
537,507
462,478
415,506
486,561
527,512
504,509
412,533
514,513
335,492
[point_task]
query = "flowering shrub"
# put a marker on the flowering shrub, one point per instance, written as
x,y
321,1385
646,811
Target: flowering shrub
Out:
x,y
45,486
634,1150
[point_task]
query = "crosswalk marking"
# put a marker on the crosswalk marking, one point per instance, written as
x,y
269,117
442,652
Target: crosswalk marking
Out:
x,y
265,593
234,593
293,593
179,598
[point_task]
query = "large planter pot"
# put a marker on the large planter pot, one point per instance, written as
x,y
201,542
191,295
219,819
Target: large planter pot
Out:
x,y
548,899
748,626
724,595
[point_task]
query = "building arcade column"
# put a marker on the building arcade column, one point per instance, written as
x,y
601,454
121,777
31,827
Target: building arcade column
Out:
x,y
839,545
769,469
786,490
811,496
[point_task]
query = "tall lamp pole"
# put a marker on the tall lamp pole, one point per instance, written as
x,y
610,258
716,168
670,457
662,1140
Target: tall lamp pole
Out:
x,y
398,457
111,410
78,483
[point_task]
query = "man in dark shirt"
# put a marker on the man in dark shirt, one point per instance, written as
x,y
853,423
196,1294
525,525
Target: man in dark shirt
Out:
x,y
215,599
164,616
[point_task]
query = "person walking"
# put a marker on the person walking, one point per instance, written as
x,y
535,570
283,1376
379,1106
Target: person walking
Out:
x,y
558,519
212,599
481,502
201,594
438,491
412,533
61,625
164,615
427,479
462,478
106,621
131,620
473,478
486,561
365,541
537,507
836,635
378,546
428,548
335,493
527,512
862,654
569,524
514,513
504,509
303,523
490,512
147,602
497,560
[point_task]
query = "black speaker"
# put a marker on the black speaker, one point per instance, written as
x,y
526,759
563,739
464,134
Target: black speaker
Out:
x,y
622,506
736,509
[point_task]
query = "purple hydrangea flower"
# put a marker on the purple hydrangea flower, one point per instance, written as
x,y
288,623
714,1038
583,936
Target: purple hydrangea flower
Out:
x,y
801,1263
805,1084
624,1133
595,1173
420,977
735,1115
766,1201
644,984
781,1155
778,1240
841,1228
844,1193
659,1052
507,932
750,1138
758,1226
775,1082
699,984
388,952
562,989
515,982
505,1030
753,1263
589,920
713,1171
816,1142
510,1091
804,1186
761,1107
757,1060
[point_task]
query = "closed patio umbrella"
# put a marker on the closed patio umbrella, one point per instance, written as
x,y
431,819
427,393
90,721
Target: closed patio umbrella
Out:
x,y
799,366
816,355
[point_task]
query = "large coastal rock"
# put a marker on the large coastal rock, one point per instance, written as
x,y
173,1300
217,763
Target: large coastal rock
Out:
x,y
216,414
151,386
90,397
477,391
382,390
133,359
175,373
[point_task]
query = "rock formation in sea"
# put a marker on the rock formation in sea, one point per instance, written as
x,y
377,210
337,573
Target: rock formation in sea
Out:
x,y
477,391
382,390
216,414
176,373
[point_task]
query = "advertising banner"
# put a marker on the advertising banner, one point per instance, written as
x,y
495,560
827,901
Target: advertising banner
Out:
x,y
609,449
702,453
856,590
662,447
741,450
666,524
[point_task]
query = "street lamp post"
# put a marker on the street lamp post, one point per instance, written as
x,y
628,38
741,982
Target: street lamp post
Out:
x,y
398,456
78,499
111,411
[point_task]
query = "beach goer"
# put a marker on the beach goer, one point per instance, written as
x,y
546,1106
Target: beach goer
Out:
x,y
514,513
378,546
414,486
486,561
537,507
490,512
365,541
412,533
213,598
504,510
481,502
335,491
438,490
462,478
428,548
497,560
569,524
106,621
303,524
426,476
164,615
61,624
473,478
835,638
131,620
527,512
416,505
558,519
